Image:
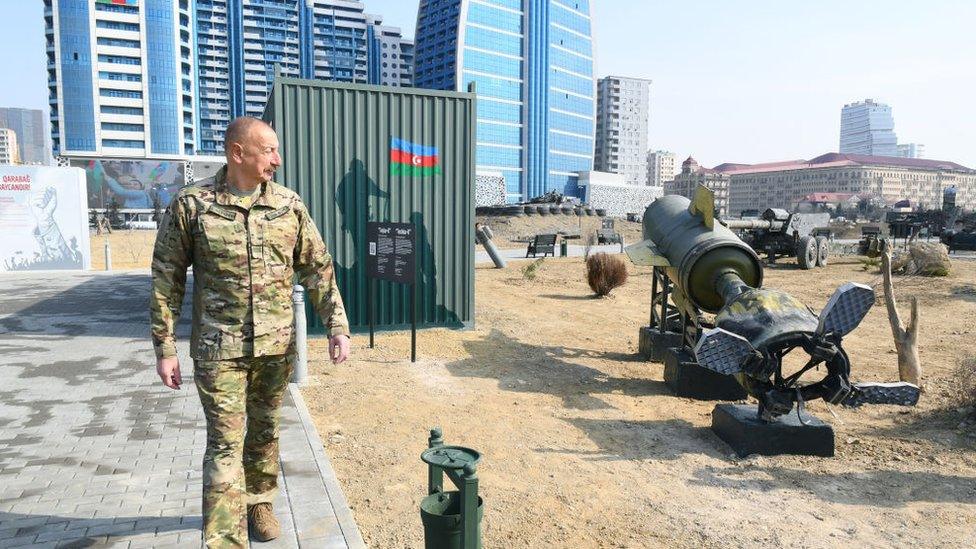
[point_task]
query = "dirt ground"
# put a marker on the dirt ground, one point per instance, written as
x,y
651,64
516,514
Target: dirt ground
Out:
x,y
584,446
131,249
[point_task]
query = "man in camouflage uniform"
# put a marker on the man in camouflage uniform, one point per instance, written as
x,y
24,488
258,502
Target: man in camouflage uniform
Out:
x,y
245,237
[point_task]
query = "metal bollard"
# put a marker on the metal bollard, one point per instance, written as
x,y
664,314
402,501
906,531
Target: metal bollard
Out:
x,y
108,256
484,235
300,370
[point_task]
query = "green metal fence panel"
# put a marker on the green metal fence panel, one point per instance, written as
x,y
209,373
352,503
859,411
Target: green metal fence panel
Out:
x,y
341,145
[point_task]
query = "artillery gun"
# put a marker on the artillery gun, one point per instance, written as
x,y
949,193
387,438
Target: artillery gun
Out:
x,y
704,268
779,233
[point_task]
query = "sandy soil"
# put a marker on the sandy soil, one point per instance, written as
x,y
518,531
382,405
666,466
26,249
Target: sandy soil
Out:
x,y
584,446
131,249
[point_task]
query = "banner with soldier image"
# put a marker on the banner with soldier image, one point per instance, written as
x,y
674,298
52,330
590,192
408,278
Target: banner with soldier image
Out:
x,y
131,184
43,219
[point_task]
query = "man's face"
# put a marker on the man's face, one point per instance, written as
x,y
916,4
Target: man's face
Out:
x,y
257,154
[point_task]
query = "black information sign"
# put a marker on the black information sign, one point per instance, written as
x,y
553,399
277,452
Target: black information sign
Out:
x,y
392,255
392,251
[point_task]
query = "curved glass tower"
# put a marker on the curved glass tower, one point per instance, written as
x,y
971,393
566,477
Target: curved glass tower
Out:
x,y
532,63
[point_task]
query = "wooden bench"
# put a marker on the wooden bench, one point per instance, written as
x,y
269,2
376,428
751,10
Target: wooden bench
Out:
x,y
544,244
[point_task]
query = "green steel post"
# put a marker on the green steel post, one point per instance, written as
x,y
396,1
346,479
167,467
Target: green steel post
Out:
x,y
435,476
470,531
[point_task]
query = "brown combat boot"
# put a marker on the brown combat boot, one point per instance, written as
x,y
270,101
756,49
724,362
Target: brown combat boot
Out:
x,y
264,525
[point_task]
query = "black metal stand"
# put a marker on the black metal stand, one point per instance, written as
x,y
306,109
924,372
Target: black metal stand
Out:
x,y
413,322
670,338
369,308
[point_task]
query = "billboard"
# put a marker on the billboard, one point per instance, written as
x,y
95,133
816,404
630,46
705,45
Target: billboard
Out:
x,y
43,219
135,184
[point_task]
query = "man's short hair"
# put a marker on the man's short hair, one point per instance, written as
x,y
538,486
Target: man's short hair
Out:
x,y
239,128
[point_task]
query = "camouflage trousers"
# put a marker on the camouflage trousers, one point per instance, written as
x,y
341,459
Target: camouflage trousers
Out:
x,y
242,402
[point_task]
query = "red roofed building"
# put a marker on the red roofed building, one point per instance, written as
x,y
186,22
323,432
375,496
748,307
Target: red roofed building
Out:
x,y
786,184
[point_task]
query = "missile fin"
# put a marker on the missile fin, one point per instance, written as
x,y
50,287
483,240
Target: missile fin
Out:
x,y
846,309
646,254
703,204
722,351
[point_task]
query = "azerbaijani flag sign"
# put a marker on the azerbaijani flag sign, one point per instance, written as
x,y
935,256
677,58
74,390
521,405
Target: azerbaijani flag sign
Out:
x,y
408,158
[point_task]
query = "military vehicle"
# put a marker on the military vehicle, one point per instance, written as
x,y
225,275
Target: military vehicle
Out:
x,y
779,233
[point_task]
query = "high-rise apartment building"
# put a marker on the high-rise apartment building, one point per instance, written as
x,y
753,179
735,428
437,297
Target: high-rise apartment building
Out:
x,y
9,153
390,55
532,63
621,127
911,150
121,74
31,132
867,127
241,43
158,78
661,167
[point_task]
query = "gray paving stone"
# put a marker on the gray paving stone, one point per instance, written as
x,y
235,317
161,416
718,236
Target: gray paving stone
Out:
x,y
98,452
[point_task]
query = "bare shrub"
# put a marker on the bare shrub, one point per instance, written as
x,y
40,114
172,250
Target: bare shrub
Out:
x,y
605,272
966,382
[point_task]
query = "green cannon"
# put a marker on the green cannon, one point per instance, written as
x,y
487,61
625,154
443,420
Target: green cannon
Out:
x,y
704,267
782,234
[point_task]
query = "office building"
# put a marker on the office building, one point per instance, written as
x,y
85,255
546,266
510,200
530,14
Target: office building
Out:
x,y
31,132
692,175
867,128
162,78
621,127
9,153
121,77
785,184
911,150
661,167
532,63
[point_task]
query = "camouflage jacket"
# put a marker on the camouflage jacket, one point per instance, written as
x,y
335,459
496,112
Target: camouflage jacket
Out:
x,y
243,265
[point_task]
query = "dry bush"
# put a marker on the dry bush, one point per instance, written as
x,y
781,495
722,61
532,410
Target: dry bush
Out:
x,y
966,382
605,272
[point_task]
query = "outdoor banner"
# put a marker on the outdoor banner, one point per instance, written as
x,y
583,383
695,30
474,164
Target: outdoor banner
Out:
x,y
43,219
134,184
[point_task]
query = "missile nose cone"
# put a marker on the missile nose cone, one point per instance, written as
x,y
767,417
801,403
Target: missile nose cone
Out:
x,y
722,351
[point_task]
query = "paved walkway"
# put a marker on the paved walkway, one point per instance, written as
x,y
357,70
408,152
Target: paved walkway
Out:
x,y
95,451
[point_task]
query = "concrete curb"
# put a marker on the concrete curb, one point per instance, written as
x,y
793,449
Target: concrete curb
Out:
x,y
330,484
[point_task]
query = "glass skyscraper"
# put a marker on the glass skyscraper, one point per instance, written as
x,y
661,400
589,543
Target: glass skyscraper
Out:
x,y
532,64
867,127
158,78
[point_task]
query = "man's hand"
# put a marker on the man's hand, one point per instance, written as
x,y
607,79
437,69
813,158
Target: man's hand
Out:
x,y
338,348
168,370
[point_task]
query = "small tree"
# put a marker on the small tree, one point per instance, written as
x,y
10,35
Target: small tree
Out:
x,y
112,213
605,272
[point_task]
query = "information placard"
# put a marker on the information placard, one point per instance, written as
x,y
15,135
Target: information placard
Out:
x,y
392,251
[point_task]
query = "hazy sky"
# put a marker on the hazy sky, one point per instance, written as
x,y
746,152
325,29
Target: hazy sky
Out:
x,y
734,80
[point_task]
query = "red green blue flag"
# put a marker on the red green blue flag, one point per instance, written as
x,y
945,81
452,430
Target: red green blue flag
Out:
x,y
119,2
408,158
